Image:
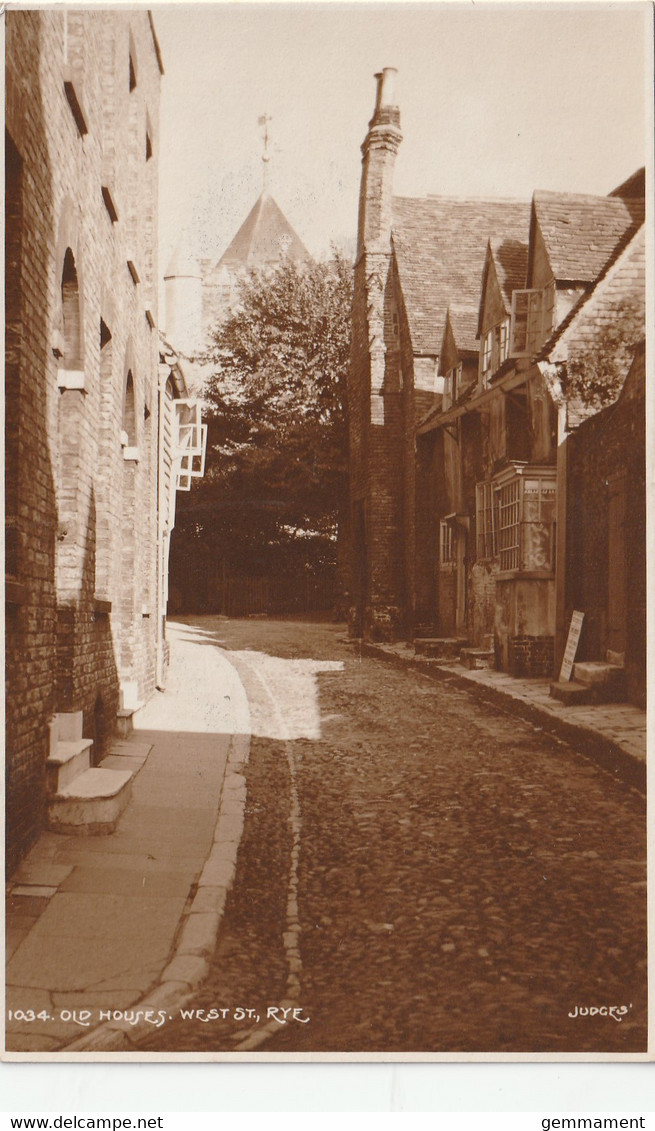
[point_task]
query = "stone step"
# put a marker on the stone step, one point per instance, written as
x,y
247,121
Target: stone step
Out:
x,y
66,762
571,693
606,680
92,803
125,719
595,672
476,659
66,726
439,647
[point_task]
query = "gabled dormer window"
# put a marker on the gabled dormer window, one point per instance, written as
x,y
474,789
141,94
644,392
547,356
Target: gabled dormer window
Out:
x,y
503,341
452,385
532,319
487,347
495,350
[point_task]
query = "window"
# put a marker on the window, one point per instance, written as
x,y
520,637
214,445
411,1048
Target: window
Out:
x,y
509,524
532,319
495,349
503,341
189,443
70,304
485,520
487,348
516,519
446,547
67,344
129,437
456,381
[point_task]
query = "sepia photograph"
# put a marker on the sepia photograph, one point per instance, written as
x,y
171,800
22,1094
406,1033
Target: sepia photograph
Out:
x,y
325,531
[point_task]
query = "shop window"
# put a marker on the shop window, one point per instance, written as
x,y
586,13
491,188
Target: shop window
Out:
x,y
486,521
509,524
516,519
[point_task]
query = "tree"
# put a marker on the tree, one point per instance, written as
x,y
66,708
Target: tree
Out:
x,y
594,375
276,474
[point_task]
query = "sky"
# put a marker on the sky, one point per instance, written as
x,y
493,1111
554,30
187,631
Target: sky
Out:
x,y
494,100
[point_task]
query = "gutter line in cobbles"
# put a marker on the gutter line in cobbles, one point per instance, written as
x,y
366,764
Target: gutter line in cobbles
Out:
x,y
291,938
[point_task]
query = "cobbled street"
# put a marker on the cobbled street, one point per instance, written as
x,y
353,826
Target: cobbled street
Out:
x,y
464,882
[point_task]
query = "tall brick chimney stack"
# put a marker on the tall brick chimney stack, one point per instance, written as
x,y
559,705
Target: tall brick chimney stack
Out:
x,y
375,537
378,159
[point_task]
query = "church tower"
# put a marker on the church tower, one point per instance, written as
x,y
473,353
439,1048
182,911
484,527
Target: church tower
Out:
x,y
183,291
264,240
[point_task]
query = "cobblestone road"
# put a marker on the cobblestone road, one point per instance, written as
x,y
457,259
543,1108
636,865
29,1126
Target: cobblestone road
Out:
x,y
464,882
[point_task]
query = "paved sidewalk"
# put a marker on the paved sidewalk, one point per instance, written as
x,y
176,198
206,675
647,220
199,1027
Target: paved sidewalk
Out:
x,y
614,734
96,923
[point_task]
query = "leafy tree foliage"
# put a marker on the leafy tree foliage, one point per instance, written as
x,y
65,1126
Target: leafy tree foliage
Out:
x,y
276,472
595,375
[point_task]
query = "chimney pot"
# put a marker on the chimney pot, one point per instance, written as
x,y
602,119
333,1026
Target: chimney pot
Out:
x,y
387,87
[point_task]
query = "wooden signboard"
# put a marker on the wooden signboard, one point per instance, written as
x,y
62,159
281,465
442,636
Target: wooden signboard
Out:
x,y
575,628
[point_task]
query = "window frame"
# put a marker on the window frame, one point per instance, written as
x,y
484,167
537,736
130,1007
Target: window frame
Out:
x,y
523,520
486,521
446,543
539,304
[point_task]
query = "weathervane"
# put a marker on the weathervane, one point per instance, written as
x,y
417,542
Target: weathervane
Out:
x,y
266,156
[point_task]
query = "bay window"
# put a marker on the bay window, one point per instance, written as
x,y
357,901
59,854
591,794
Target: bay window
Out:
x,y
515,519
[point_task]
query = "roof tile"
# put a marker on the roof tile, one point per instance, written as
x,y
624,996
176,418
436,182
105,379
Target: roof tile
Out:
x,y
440,245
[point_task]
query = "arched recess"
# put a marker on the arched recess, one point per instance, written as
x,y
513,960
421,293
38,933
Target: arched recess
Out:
x,y
129,412
130,582
68,348
71,313
68,331
106,515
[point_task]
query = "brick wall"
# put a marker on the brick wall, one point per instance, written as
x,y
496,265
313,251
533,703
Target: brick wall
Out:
x,y
65,483
611,442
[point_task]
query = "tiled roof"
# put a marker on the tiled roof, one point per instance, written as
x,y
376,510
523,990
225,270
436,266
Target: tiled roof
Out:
x,y
464,322
634,186
618,299
440,245
511,260
581,232
265,237
622,285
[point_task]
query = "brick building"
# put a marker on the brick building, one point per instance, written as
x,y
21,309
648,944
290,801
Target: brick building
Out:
x,y
462,308
85,425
